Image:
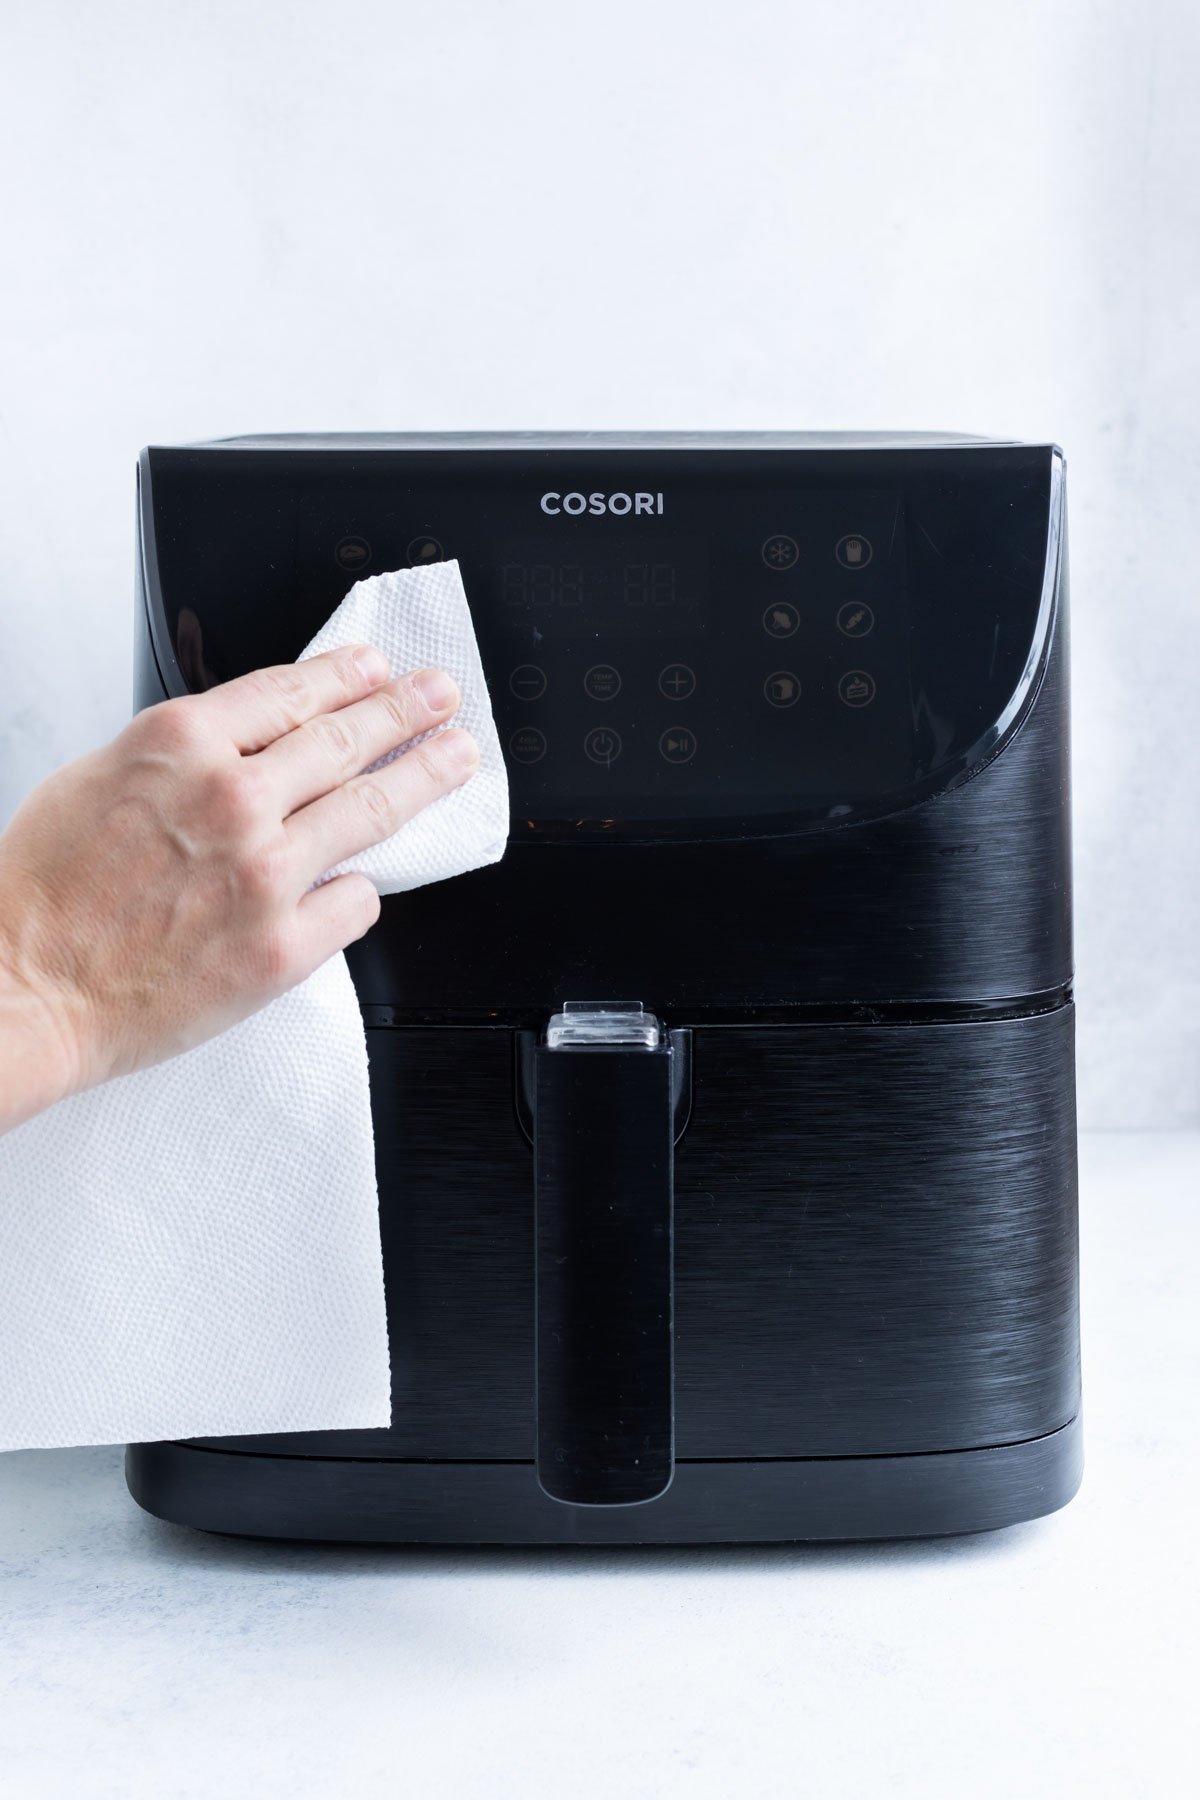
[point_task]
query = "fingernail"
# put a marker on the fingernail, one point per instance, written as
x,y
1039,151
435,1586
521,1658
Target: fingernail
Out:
x,y
373,663
458,747
437,689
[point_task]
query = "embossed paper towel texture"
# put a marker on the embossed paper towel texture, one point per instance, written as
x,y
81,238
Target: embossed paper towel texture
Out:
x,y
193,1250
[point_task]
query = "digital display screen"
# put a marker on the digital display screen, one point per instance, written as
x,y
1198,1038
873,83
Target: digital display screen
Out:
x,y
619,587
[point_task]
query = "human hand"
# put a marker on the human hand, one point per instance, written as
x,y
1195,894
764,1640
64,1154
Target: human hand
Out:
x,y
156,891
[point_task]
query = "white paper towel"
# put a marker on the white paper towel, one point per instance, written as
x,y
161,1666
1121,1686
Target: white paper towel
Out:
x,y
193,1250
420,618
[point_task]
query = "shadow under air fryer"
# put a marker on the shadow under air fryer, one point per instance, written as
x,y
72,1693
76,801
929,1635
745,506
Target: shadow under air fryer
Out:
x,y
725,1130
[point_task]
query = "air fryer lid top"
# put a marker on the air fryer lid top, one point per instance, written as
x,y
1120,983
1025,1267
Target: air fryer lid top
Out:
x,y
675,638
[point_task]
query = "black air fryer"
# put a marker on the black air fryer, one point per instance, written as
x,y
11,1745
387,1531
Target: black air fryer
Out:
x,y
725,1130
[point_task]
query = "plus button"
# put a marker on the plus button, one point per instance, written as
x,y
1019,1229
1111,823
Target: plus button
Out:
x,y
676,681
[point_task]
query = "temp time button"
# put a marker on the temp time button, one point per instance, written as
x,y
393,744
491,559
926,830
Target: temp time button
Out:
x,y
602,682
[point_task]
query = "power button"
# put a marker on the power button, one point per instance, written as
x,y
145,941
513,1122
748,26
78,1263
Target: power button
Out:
x,y
602,745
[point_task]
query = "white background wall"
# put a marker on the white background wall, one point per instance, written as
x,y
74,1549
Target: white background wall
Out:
x,y
377,214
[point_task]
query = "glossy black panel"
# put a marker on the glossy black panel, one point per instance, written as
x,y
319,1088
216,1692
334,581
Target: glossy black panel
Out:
x,y
603,1181
693,640
964,899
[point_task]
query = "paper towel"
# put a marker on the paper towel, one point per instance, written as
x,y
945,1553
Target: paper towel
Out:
x,y
193,1250
420,618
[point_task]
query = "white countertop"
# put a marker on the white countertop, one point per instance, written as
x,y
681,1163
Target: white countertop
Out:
x,y
1054,1659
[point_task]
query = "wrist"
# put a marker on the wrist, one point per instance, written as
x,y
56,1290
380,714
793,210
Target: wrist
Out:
x,y
37,1064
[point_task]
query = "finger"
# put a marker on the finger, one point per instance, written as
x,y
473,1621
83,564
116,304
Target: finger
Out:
x,y
370,808
333,916
256,709
324,752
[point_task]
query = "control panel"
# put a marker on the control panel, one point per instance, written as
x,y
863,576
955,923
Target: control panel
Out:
x,y
691,663
676,639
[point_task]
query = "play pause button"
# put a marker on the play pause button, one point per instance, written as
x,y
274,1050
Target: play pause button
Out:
x,y
677,744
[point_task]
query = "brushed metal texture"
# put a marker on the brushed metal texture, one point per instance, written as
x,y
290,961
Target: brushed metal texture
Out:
x,y
876,1242
877,1234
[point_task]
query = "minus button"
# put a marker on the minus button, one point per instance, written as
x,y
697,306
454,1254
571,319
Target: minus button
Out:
x,y
527,681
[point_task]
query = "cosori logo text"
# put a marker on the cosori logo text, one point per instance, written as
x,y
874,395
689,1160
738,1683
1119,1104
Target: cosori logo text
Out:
x,y
573,504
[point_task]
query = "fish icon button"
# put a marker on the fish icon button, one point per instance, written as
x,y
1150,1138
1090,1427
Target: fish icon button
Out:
x,y
854,620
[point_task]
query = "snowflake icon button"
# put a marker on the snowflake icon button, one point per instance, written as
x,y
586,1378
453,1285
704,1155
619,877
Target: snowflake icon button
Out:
x,y
781,552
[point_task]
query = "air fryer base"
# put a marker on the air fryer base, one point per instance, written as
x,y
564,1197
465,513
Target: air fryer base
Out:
x,y
814,1499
